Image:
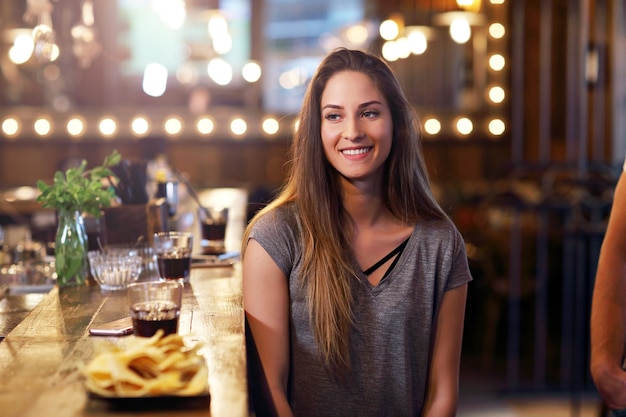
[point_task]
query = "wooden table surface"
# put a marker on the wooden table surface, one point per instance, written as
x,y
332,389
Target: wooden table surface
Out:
x,y
41,359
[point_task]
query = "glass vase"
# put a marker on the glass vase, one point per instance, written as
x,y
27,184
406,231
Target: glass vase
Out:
x,y
70,250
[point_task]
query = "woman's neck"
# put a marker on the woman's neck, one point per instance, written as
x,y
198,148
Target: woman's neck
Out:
x,y
364,205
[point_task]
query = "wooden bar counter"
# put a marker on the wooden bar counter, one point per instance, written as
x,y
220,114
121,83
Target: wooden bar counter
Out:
x,y
41,359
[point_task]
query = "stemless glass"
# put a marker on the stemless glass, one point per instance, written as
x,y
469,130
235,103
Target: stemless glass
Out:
x,y
155,305
173,251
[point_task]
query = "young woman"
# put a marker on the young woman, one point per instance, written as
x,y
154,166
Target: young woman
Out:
x,y
354,278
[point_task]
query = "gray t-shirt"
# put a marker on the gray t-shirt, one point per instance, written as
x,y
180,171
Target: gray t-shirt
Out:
x,y
390,344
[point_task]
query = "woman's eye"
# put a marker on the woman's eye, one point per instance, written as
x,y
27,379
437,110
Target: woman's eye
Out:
x,y
370,113
331,116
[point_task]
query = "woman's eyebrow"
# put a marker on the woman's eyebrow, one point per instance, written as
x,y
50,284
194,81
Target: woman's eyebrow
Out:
x,y
366,104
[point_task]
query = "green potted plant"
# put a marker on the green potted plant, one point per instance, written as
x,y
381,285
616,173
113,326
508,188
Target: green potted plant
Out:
x,y
72,193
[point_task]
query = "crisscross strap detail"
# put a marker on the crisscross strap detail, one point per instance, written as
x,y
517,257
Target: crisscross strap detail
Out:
x,y
397,251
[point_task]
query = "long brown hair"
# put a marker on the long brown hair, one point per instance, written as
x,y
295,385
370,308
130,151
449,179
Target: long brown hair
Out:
x,y
313,186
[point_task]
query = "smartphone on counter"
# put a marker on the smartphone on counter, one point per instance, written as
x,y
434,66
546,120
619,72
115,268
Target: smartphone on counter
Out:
x,y
119,327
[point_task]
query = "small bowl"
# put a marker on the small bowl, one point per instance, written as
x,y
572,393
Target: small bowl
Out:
x,y
112,271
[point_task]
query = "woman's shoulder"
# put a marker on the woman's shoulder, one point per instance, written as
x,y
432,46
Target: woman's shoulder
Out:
x,y
443,228
281,213
276,219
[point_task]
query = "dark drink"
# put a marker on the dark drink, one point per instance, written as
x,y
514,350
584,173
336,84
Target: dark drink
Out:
x,y
216,231
174,267
213,235
148,317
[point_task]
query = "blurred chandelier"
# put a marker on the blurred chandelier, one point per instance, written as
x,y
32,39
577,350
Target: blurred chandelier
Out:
x,y
45,48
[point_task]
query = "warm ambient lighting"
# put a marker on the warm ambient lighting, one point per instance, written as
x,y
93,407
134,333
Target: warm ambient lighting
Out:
x,y
42,127
496,94
496,62
107,127
205,126
497,30
389,30
432,126
11,127
251,72
270,126
22,49
464,126
140,126
173,126
238,127
75,126
497,127
469,5
460,30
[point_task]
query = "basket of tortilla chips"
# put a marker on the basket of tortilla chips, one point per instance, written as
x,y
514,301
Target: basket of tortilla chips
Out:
x,y
148,367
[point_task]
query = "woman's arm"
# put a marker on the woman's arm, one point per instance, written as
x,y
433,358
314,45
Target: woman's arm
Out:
x,y
266,303
608,310
443,379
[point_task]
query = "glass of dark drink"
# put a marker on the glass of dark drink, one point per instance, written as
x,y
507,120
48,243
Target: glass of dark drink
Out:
x,y
213,221
173,252
155,305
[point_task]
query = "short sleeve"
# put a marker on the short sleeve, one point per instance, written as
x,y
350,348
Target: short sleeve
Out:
x,y
460,272
276,231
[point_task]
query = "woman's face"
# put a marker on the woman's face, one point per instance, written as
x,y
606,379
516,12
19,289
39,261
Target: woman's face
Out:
x,y
356,126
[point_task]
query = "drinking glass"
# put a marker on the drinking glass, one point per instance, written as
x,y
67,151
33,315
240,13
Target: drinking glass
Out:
x,y
173,251
213,221
155,305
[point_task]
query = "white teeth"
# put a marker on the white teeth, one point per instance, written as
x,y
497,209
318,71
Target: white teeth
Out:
x,y
355,151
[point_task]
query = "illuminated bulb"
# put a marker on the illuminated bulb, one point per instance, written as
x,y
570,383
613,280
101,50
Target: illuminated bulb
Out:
x,y
22,49
107,127
205,126
404,49
154,80
42,127
270,126
238,126
496,62
460,30
464,126
432,126
75,126
173,126
417,42
497,30
469,5
496,1
496,127
389,30
139,126
391,51
251,72
218,26
496,94
220,71
10,126
223,44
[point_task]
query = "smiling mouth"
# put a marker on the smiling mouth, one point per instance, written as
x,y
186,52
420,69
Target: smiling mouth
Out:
x,y
359,151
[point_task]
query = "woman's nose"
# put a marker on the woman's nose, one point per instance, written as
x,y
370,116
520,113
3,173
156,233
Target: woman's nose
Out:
x,y
352,129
